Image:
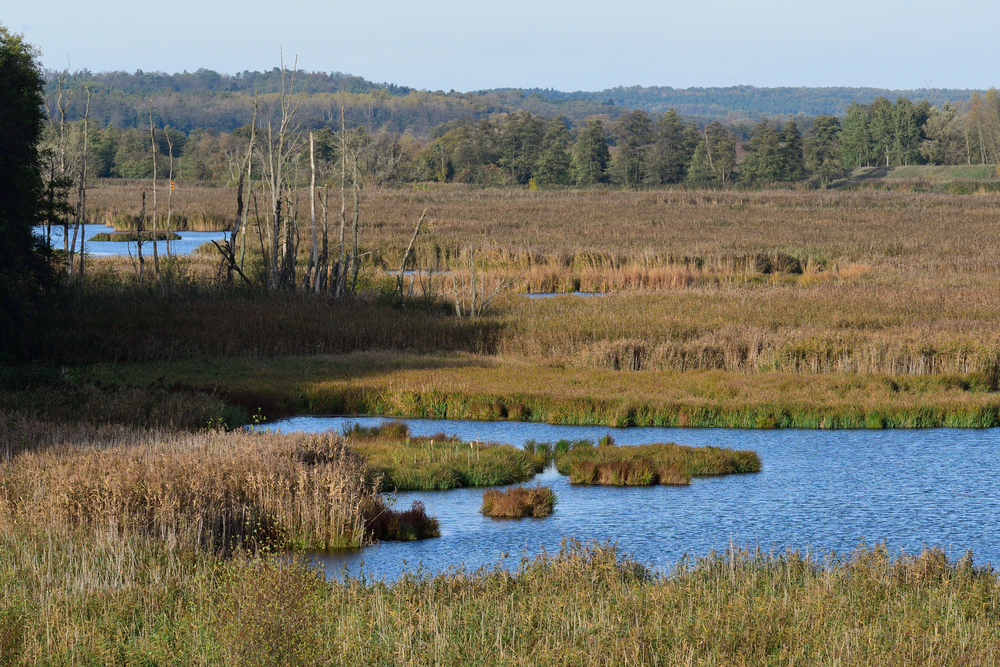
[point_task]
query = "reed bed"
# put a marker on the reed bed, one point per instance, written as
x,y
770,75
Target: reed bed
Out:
x,y
591,226
518,502
921,329
198,208
405,463
646,465
608,240
213,490
118,601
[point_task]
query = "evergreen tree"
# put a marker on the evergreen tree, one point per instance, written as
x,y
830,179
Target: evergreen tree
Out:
x,y
590,154
855,140
553,164
634,133
24,273
668,158
763,163
822,149
946,141
519,143
790,153
714,158
881,130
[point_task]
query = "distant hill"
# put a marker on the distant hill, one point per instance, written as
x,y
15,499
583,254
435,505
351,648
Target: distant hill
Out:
x,y
750,100
208,100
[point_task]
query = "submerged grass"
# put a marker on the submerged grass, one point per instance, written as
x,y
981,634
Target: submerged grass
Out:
x,y
582,606
518,502
400,462
646,465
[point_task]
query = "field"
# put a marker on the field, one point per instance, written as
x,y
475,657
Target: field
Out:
x,y
136,519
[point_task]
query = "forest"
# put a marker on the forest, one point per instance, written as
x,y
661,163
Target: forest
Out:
x,y
513,137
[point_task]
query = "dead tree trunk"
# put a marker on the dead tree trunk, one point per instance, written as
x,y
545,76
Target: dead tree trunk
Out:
x,y
341,266
406,256
312,274
170,192
153,152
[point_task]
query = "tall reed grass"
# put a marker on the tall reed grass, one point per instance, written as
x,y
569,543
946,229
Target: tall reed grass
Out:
x,y
212,490
115,601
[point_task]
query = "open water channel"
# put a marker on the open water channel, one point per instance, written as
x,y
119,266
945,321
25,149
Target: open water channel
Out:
x,y
189,241
819,490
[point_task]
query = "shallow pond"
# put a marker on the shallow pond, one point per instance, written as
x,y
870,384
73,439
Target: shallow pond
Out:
x,y
189,241
819,490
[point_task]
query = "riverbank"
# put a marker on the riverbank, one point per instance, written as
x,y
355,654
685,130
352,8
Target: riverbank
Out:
x,y
464,386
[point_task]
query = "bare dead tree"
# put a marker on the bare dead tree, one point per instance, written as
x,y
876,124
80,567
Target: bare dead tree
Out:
x,y
356,264
81,195
474,297
406,256
312,274
282,145
322,284
228,247
62,106
170,192
139,225
341,264
153,152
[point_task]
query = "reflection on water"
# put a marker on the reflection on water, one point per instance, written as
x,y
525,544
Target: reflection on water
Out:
x,y
819,490
189,241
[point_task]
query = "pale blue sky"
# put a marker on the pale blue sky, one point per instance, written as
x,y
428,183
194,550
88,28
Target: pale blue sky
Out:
x,y
586,45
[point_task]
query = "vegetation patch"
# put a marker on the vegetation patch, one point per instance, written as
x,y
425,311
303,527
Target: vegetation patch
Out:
x,y
130,236
398,461
387,523
646,465
216,491
518,502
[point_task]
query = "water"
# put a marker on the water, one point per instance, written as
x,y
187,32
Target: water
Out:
x,y
189,241
819,490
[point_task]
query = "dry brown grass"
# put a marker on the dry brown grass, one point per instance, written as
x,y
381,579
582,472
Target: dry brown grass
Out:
x,y
644,465
212,490
616,228
519,501
198,208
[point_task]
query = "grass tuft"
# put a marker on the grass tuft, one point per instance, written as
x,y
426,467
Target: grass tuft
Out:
x,y
519,501
646,465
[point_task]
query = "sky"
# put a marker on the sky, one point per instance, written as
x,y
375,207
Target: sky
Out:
x,y
587,45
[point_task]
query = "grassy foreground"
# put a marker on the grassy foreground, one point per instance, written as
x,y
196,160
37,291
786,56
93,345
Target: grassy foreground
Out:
x,y
581,606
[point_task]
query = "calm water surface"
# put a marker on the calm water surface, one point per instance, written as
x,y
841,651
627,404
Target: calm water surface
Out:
x,y
819,490
189,241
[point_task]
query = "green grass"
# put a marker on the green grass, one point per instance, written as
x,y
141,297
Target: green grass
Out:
x,y
645,465
580,606
487,388
399,462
